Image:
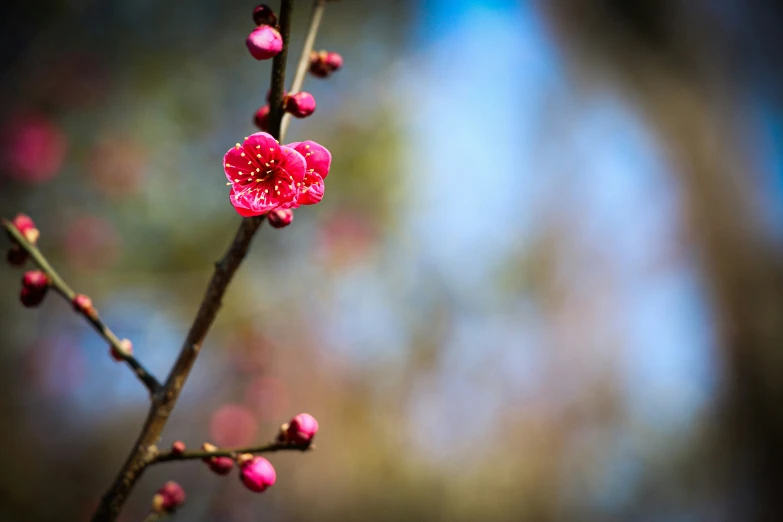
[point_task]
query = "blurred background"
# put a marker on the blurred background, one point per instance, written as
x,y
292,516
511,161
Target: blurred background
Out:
x,y
545,282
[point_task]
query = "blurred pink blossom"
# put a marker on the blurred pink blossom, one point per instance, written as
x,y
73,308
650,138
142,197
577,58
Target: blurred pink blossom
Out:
x,y
91,243
233,425
268,397
117,165
32,148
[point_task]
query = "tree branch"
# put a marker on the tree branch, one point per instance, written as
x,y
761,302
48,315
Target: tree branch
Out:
x,y
304,58
169,456
144,451
62,288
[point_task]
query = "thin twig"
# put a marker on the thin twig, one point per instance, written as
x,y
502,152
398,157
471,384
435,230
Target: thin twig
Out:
x,y
304,59
157,517
169,456
144,451
62,288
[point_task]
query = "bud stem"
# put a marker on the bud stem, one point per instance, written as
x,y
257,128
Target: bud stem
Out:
x,y
62,288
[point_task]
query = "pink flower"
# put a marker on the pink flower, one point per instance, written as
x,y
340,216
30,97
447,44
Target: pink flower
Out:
x,y
300,105
261,118
168,498
127,347
302,428
264,15
264,42
257,473
34,286
318,160
33,148
83,304
178,447
264,175
280,218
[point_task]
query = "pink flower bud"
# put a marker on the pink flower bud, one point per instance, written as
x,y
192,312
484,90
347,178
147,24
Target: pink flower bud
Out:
x,y
323,63
302,428
300,105
83,304
218,465
257,474
318,67
34,286
127,347
264,42
280,218
263,15
333,60
168,498
178,447
261,118
16,255
26,227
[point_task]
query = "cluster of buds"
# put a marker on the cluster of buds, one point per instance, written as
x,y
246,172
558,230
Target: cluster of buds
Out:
x,y
324,63
16,254
35,284
265,41
256,472
168,498
299,105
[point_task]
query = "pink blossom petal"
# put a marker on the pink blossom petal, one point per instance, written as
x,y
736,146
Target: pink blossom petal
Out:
x,y
318,158
314,190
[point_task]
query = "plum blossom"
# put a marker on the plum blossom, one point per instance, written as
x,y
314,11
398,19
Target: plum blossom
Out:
x,y
266,176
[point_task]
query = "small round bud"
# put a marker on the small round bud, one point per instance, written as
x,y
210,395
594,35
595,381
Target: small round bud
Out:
x,y
261,118
83,304
178,447
16,255
300,105
302,428
334,60
318,66
264,42
218,465
127,350
257,474
263,15
24,224
280,218
168,498
34,286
